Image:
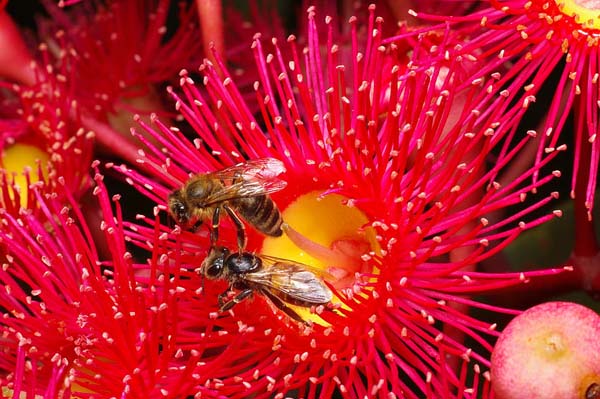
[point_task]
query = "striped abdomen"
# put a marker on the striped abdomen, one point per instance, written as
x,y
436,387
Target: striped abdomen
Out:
x,y
261,212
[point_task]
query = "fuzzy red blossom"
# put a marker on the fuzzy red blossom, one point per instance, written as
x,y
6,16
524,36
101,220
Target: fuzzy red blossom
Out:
x,y
524,42
122,49
40,128
381,156
78,325
120,53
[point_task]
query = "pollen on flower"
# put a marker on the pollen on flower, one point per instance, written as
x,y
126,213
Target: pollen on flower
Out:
x,y
339,235
585,12
19,157
330,235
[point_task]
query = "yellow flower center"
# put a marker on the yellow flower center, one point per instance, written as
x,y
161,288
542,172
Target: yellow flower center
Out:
x,y
326,233
585,12
16,158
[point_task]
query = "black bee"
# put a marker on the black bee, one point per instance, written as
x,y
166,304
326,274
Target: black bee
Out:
x,y
282,281
242,189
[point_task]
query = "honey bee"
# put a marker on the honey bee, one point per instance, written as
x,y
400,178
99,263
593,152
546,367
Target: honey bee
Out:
x,y
282,281
242,189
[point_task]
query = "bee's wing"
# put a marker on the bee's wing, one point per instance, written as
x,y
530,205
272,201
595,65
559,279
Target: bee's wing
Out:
x,y
295,280
248,179
261,170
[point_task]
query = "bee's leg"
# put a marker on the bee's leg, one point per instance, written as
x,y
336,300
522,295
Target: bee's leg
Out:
x,y
224,295
221,298
196,226
235,300
239,225
214,231
281,305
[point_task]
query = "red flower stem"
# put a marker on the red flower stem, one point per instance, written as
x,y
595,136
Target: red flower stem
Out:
x,y
210,16
15,59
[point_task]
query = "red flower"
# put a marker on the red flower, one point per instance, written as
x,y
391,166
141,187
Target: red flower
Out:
x,y
120,50
534,38
76,325
41,130
382,172
118,55
523,42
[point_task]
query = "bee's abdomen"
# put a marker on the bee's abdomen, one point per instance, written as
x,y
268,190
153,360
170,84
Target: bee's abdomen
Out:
x,y
262,213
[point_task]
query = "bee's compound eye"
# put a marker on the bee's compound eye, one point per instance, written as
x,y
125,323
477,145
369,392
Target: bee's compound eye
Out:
x,y
215,269
180,211
213,265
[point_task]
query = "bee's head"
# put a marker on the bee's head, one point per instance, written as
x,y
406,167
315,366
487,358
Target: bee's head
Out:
x,y
178,208
213,265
